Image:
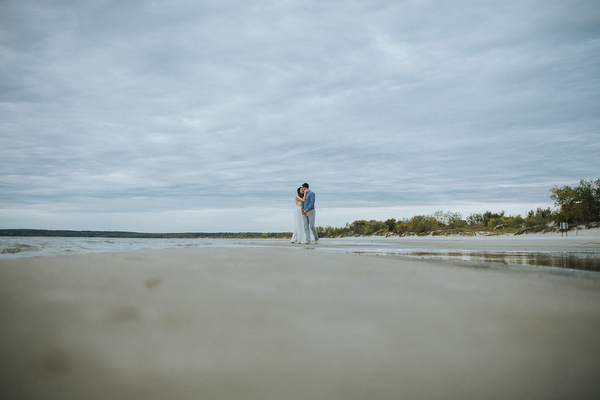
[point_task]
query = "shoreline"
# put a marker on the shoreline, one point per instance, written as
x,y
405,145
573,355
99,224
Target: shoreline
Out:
x,y
580,252
292,323
540,242
47,233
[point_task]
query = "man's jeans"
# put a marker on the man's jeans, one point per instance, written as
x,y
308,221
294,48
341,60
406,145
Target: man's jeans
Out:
x,y
309,223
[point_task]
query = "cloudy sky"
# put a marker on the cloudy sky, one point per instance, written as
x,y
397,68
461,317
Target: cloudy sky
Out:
x,y
206,115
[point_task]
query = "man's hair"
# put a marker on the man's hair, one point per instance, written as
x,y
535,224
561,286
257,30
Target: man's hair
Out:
x,y
305,185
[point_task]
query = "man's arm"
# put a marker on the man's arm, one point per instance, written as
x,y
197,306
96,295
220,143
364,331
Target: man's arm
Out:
x,y
310,201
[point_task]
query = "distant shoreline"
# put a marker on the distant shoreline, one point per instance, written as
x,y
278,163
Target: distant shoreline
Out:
x,y
141,235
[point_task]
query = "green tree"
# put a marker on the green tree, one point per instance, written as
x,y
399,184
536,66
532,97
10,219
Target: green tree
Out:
x,y
474,219
488,215
541,215
358,227
454,220
402,228
516,221
374,226
580,204
494,222
390,225
421,224
440,219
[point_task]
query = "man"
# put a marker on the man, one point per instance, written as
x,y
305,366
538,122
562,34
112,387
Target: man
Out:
x,y
308,211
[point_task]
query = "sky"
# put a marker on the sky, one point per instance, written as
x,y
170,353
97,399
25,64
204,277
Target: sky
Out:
x,y
207,115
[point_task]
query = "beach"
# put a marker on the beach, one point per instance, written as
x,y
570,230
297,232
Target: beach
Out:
x,y
292,322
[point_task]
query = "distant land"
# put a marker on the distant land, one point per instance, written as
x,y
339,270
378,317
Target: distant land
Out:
x,y
119,234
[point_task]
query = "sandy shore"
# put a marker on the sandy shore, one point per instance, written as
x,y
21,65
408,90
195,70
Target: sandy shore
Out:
x,y
581,241
292,323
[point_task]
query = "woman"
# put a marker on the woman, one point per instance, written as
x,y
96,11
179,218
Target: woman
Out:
x,y
299,236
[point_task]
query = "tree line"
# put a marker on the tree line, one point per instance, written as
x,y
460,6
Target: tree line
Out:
x,y
579,205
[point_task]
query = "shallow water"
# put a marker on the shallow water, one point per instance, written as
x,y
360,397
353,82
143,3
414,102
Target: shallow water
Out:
x,y
586,261
18,247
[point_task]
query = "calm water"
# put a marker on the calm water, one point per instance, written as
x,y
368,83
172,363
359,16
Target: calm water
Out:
x,y
586,261
17,247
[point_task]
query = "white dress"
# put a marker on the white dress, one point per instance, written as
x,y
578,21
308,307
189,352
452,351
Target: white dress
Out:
x,y
298,236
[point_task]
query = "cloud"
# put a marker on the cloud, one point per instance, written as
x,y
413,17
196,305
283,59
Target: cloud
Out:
x,y
110,108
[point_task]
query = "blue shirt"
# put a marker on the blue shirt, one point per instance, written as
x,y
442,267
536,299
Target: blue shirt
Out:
x,y
309,202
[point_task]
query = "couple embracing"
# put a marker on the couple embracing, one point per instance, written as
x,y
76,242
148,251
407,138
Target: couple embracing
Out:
x,y
304,217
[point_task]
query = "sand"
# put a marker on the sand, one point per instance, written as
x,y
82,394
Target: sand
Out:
x,y
289,322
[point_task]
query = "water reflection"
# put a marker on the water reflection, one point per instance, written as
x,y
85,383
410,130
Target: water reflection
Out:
x,y
581,261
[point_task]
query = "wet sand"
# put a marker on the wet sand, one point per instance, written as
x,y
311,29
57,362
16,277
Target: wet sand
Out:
x,y
293,323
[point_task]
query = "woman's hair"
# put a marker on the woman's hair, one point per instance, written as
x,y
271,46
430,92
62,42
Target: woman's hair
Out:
x,y
301,195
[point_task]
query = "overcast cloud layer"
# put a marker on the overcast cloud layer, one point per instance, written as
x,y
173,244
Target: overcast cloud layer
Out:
x,y
206,115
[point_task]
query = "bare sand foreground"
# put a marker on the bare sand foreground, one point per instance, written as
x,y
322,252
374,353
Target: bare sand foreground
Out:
x,y
293,323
